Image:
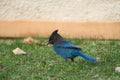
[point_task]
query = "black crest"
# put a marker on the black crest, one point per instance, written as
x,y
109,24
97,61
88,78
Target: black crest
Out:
x,y
55,37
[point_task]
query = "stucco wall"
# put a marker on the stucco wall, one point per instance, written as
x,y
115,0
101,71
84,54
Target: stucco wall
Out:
x,y
60,10
94,30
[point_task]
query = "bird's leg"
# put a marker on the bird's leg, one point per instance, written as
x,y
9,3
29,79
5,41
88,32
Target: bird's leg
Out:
x,y
72,59
65,59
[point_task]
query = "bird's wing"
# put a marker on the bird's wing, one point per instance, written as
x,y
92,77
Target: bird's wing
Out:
x,y
67,45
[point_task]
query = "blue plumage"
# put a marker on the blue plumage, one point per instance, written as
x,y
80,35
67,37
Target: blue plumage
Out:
x,y
66,49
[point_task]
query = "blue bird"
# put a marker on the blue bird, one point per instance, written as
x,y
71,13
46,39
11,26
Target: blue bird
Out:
x,y
66,49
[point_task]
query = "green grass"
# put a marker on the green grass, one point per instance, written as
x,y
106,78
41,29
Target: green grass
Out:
x,y
42,63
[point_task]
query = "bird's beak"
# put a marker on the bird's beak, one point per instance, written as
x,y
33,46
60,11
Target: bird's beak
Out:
x,y
48,43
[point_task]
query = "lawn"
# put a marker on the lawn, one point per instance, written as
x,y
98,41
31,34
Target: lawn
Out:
x,y
42,63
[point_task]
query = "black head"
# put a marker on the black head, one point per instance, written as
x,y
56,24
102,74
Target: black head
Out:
x,y
55,37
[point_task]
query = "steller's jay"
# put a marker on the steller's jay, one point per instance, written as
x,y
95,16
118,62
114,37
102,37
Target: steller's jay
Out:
x,y
66,49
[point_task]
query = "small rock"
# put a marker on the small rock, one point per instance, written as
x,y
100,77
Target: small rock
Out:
x,y
98,59
117,69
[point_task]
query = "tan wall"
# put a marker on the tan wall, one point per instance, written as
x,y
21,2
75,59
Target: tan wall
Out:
x,y
60,10
74,18
96,30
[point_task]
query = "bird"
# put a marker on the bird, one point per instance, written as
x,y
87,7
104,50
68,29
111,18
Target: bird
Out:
x,y
66,49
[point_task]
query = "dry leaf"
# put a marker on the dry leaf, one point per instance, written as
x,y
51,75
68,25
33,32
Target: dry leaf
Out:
x,y
117,69
29,40
93,43
18,51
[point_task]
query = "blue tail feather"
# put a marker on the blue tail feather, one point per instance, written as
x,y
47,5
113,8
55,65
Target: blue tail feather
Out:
x,y
87,57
